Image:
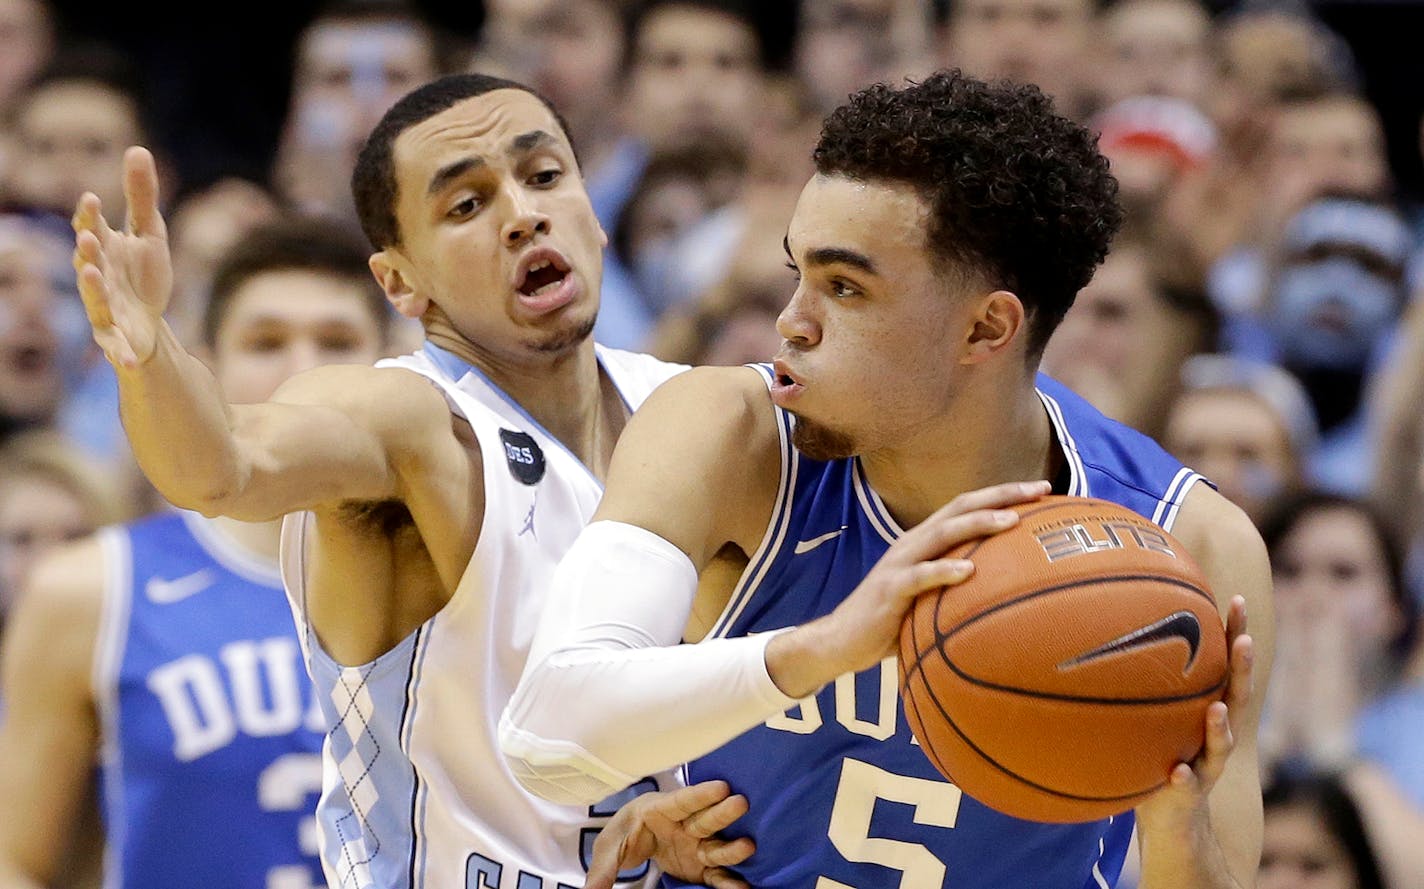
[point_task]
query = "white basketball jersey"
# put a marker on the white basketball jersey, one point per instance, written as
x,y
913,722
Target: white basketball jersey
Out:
x,y
416,792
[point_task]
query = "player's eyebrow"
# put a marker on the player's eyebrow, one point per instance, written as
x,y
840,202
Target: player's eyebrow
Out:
x,y
526,142
833,256
521,144
452,171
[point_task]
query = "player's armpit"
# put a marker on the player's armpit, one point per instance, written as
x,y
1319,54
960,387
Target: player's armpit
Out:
x,y
49,733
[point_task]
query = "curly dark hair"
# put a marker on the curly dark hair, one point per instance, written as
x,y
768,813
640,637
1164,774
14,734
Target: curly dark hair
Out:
x,y
373,182
1018,195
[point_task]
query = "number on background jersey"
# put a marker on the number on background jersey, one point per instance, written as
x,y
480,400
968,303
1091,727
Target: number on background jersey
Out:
x,y
287,785
936,804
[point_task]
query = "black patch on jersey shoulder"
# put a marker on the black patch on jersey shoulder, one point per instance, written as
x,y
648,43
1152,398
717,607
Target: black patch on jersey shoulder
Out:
x,y
522,453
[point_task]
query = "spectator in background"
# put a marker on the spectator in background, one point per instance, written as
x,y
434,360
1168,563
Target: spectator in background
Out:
x,y
844,45
1262,60
203,226
1333,296
70,128
1344,631
1045,42
1396,409
26,44
734,322
353,60
1152,143
1122,344
1155,48
1315,837
50,493
37,321
1246,425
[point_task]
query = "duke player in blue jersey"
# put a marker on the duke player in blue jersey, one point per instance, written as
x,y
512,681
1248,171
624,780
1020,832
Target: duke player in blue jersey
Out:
x,y
164,650
788,515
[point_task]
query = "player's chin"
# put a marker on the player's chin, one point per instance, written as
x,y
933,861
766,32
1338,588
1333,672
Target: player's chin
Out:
x,y
819,442
564,334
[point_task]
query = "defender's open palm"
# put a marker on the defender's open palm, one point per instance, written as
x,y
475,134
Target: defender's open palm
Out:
x,y
125,277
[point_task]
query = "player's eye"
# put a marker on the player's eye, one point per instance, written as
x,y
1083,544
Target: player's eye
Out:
x,y
464,208
546,178
795,272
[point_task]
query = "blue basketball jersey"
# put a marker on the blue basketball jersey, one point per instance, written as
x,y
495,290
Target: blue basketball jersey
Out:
x,y
841,794
211,739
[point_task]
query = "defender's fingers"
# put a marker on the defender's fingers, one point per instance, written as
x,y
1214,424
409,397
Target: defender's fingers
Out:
x,y
716,817
685,802
1242,681
718,878
141,193
714,852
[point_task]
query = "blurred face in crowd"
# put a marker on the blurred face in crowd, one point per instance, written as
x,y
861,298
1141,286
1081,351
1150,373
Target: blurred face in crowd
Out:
x,y
37,512
1299,852
1027,41
1122,343
70,138
843,46
1236,440
570,51
26,39
280,323
1156,47
357,69
31,385
1335,143
1331,562
696,72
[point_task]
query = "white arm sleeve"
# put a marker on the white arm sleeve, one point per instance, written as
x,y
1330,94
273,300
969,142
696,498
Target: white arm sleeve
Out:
x,y
609,695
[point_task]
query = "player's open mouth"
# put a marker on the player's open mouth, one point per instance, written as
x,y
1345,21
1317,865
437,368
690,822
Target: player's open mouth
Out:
x,y
544,281
784,387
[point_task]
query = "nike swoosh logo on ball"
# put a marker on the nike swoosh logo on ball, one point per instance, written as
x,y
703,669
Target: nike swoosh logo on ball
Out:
x,y
1178,625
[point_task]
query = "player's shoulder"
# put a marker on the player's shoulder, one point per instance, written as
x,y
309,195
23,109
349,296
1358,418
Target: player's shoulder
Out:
x,y
57,619
712,404
1220,536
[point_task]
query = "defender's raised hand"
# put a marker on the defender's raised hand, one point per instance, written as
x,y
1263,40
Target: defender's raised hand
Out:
x,y
125,277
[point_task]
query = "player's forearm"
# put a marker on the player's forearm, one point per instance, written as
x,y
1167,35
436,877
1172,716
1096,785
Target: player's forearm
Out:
x,y
610,695
1187,859
179,426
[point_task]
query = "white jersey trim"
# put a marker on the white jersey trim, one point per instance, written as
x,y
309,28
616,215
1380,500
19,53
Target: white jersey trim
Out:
x,y
116,609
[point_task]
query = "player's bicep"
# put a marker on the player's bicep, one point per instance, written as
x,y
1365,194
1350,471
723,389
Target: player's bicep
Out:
x,y
695,462
329,435
49,733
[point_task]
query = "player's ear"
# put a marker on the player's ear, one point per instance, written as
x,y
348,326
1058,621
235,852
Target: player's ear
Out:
x,y
386,265
997,321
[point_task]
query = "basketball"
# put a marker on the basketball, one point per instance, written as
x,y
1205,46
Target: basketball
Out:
x,y
1067,677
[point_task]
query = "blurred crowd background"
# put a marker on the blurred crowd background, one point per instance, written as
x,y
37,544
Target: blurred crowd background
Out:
x,y
1258,315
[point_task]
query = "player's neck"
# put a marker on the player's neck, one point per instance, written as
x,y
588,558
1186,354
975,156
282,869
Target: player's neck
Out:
x,y
566,392
984,441
259,539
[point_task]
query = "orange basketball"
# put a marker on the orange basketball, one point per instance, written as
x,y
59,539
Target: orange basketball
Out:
x,y
1067,677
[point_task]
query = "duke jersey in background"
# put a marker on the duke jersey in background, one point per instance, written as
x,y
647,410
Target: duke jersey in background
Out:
x,y
210,737
840,794
417,793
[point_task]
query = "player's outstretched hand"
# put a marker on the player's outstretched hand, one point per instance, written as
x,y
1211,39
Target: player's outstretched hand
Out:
x,y
1180,805
678,830
125,277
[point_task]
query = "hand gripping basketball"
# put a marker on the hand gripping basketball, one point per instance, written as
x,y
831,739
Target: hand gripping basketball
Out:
x,y
1072,673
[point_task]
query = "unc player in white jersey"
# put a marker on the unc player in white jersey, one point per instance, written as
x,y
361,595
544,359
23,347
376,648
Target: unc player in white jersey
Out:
x,y
440,489
164,649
